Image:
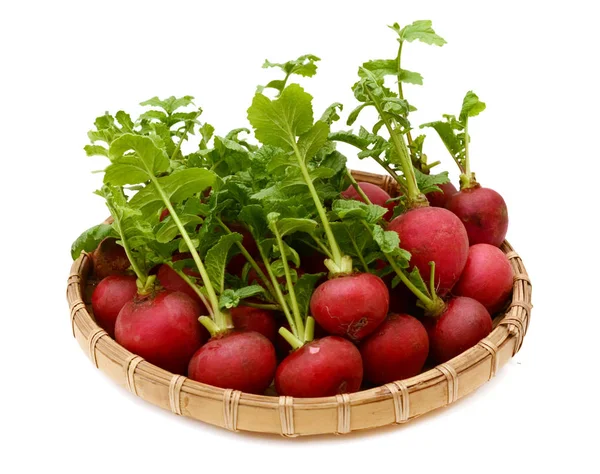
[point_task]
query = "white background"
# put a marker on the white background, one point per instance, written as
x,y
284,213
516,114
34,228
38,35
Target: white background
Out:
x,y
534,63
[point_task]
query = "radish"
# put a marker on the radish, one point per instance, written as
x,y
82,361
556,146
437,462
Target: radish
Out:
x,y
482,210
441,198
375,195
170,280
434,234
241,360
301,138
321,368
463,323
351,305
255,319
109,258
397,350
109,297
162,327
487,277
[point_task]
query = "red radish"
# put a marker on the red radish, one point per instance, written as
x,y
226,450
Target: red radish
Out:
x,y
321,368
402,300
283,347
487,277
255,319
463,324
110,258
164,214
185,256
351,306
482,210
433,234
440,199
169,279
483,213
162,328
111,294
375,194
397,350
241,360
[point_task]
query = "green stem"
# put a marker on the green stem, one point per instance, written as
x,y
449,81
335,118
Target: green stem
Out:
x,y
321,245
290,283
290,338
145,288
278,293
401,95
432,278
250,260
271,307
309,332
427,167
335,250
210,325
467,162
141,276
219,318
412,189
194,287
401,181
358,189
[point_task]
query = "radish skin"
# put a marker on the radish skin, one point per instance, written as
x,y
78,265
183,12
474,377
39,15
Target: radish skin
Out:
x,y
397,350
483,213
440,199
351,306
433,234
321,368
255,319
109,297
109,258
487,277
162,328
463,324
240,360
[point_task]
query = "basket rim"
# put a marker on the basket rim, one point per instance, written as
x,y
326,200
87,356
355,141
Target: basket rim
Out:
x,y
511,324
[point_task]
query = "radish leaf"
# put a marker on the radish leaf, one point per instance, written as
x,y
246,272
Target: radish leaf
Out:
x,y
216,260
89,240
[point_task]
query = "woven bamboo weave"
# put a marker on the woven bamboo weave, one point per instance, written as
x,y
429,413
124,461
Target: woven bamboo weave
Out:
x,y
393,403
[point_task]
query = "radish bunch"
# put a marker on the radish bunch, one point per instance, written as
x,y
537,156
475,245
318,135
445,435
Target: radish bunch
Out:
x,y
256,260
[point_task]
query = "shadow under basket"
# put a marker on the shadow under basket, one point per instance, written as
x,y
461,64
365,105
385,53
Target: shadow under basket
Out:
x,y
396,402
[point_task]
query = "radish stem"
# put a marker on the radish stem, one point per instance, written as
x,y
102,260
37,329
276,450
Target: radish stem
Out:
x,y
194,287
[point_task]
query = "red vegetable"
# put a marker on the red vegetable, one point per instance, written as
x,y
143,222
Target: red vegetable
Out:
x,y
321,368
110,259
487,277
255,319
483,213
440,199
462,325
241,360
434,234
162,328
109,297
169,279
375,194
351,306
397,350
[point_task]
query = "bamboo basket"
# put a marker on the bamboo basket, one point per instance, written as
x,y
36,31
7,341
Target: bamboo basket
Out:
x,y
393,403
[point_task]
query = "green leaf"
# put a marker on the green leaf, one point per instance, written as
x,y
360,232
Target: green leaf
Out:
x,y
304,288
427,183
132,157
410,77
178,187
331,113
278,122
254,218
169,105
446,131
352,209
169,230
289,226
419,30
216,260
94,150
312,141
388,241
231,298
471,107
89,240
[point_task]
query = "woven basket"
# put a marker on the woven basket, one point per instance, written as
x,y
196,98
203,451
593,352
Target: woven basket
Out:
x,y
396,402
